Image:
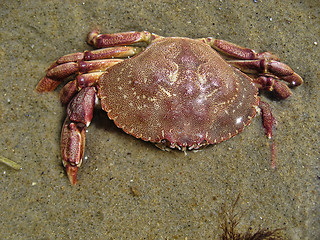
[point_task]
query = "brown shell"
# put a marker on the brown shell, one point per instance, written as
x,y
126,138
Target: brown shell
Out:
x,y
179,91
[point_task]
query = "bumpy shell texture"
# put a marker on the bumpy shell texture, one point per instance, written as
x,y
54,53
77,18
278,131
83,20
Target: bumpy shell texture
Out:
x,y
180,92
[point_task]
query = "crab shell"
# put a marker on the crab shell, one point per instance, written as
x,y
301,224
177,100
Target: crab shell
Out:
x,y
178,92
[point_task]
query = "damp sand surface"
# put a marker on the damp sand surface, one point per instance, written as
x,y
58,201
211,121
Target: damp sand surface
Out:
x,y
129,189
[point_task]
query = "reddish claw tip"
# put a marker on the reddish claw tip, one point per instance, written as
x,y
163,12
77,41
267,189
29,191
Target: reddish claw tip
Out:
x,y
91,36
47,85
72,173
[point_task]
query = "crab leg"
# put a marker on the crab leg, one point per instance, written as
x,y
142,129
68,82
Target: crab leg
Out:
x,y
269,73
104,53
269,83
81,81
267,118
82,62
271,67
111,47
79,116
264,66
118,39
59,73
268,121
235,51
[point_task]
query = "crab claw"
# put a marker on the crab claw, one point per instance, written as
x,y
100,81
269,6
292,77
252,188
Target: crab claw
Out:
x,y
72,147
80,111
72,173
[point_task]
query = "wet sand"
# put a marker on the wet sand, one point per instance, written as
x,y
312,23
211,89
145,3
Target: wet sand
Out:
x,y
129,189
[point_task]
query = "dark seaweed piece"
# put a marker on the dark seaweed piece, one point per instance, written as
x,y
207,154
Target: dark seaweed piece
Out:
x,y
230,221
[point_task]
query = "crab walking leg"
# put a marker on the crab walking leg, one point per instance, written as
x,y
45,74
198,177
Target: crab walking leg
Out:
x,y
249,61
79,116
59,73
268,121
271,84
271,67
104,53
118,39
71,64
73,87
269,73
235,51
72,147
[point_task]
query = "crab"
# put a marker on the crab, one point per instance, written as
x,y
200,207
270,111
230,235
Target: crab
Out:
x,y
176,92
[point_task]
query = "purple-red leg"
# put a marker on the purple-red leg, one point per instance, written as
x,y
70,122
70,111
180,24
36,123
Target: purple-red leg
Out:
x,y
280,89
267,119
83,62
265,67
79,116
118,39
104,53
58,73
73,87
268,122
80,93
237,52
266,71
